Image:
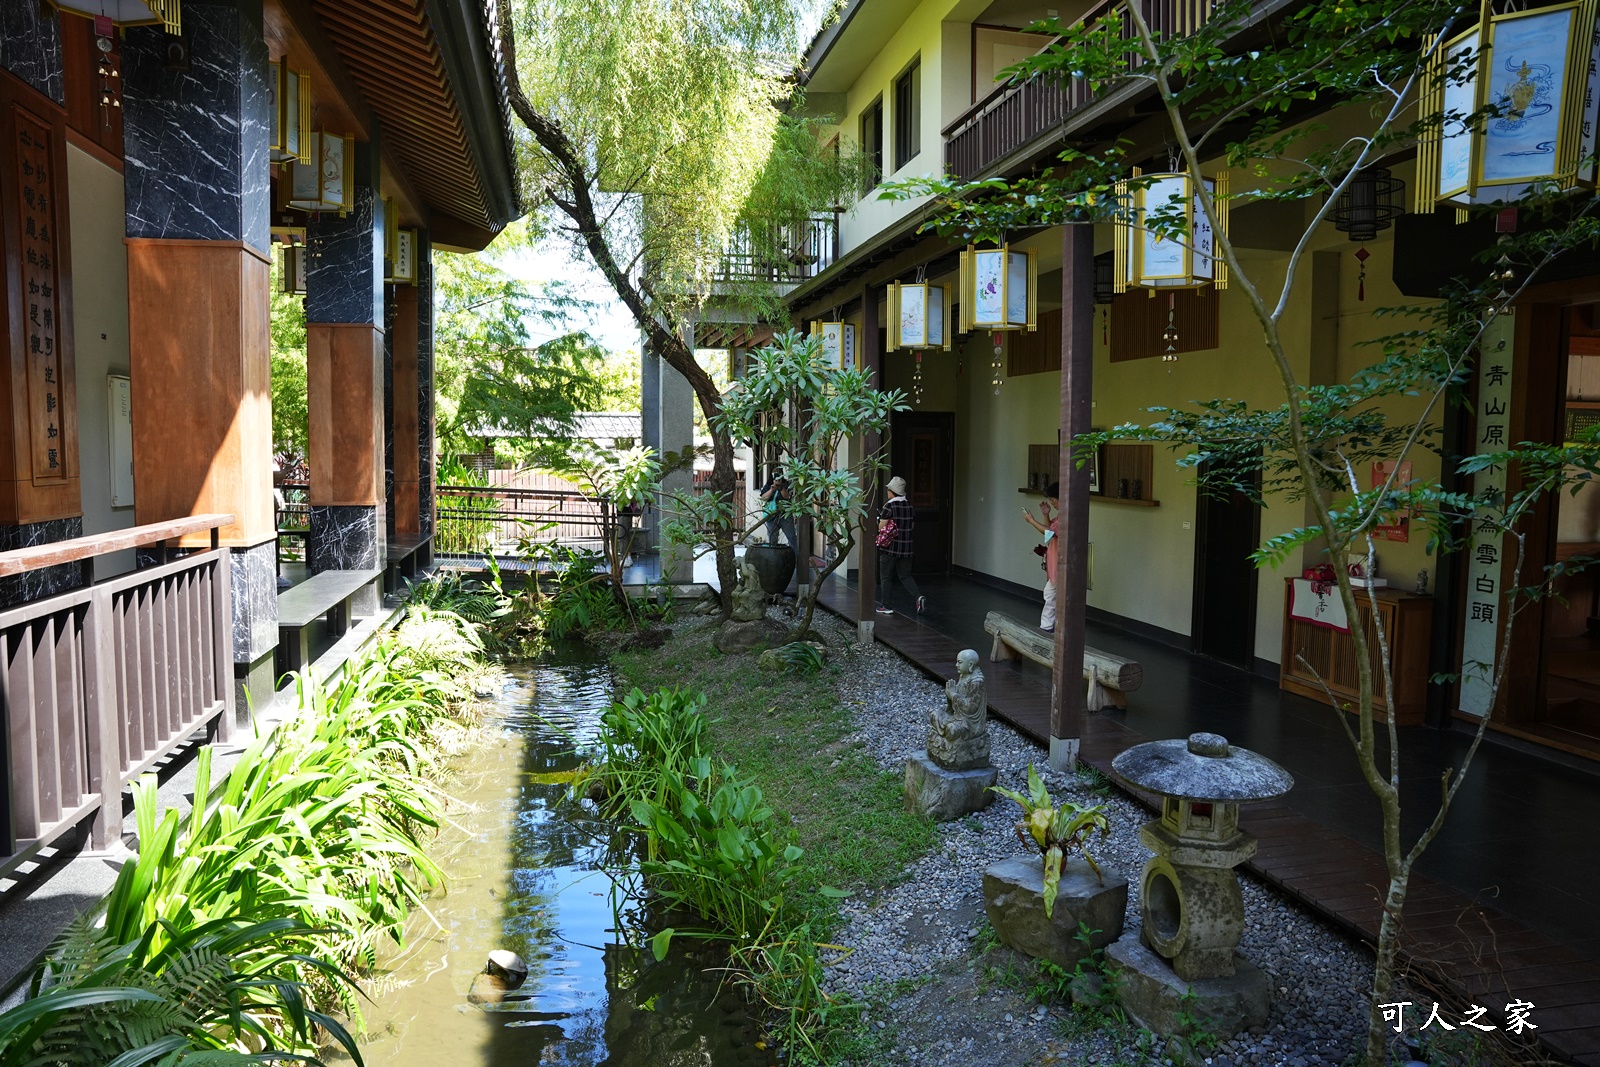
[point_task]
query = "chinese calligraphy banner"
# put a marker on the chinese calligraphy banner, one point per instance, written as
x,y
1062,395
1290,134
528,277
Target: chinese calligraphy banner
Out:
x,y
41,308
1480,635
1396,525
1319,609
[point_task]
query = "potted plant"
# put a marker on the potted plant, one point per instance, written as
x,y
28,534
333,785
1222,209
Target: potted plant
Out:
x,y
1037,904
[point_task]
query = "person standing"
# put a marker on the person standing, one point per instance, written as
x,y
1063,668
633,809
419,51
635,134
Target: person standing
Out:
x,y
773,496
1050,508
895,550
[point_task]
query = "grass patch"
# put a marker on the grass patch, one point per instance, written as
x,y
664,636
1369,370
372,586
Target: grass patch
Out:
x,y
788,732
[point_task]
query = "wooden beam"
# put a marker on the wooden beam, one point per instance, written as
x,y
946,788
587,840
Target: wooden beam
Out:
x,y
22,560
1072,557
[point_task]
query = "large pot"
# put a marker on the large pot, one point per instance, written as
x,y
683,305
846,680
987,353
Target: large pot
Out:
x,y
774,565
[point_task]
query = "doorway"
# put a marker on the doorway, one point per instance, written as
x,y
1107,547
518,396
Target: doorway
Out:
x,y
1227,530
922,450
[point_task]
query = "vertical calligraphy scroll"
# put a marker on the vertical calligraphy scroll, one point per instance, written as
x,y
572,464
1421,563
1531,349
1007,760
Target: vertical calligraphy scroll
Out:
x,y
1480,635
36,187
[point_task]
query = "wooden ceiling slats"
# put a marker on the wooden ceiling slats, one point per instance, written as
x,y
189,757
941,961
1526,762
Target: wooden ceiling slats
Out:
x,y
390,53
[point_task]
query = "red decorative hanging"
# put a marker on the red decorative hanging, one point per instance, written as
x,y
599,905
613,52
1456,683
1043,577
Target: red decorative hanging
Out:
x,y
1362,255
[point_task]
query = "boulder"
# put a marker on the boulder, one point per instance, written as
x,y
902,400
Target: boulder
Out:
x,y
1154,996
735,636
943,794
1013,897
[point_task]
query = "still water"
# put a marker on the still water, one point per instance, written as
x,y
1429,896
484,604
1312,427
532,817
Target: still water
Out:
x,y
527,872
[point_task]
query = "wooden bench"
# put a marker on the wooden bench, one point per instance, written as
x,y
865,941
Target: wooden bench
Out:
x,y
1110,677
327,595
406,558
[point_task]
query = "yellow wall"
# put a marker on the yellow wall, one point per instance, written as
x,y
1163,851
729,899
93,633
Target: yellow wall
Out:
x,y
100,334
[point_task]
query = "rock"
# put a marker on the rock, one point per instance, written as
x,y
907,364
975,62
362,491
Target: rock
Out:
x,y
943,794
1153,995
749,599
736,636
487,989
1013,897
507,965
1087,988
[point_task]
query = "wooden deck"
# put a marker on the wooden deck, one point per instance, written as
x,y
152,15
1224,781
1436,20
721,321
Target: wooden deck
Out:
x,y
1452,943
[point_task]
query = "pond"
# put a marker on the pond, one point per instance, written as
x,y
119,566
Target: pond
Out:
x,y
527,872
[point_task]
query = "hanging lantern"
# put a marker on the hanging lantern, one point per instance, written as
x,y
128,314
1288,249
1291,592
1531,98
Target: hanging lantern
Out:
x,y
919,316
998,289
1150,260
1371,201
128,12
405,257
838,343
292,274
1537,68
321,182
290,93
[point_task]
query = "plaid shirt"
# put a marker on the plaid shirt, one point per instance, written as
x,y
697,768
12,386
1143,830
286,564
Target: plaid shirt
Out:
x,y
905,517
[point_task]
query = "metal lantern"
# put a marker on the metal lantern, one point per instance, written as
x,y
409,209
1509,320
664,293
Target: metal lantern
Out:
x,y
128,12
1536,68
838,343
322,183
405,257
1105,277
919,316
998,289
290,92
1371,201
1146,259
292,276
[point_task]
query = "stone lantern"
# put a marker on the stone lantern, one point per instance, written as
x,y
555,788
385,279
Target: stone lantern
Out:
x,y
1191,908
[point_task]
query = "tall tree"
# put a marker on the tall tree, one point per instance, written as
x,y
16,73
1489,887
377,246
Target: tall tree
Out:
x,y
1252,110
652,123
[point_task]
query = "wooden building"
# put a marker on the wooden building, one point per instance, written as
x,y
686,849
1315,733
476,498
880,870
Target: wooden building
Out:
x,y
150,173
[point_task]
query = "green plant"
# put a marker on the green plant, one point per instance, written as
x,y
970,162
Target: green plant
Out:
x,y
1056,830
800,657
221,993
474,601
1091,779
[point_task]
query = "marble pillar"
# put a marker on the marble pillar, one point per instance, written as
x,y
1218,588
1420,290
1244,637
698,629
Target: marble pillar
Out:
x,y
30,47
198,202
345,347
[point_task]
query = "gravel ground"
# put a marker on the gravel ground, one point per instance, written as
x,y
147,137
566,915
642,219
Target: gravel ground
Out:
x,y
943,993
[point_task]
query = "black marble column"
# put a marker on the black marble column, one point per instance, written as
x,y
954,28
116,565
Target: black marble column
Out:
x,y
30,46
426,466
195,141
197,169
344,287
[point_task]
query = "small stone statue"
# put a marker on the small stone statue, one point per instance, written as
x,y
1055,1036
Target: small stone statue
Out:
x,y
1422,582
958,734
749,599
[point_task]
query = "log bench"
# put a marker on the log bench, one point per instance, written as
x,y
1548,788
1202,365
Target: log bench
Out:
x,y
406,558
1110,677
326,594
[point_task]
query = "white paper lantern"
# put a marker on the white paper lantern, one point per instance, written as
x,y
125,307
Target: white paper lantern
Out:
x,y
1147,259
322,182
919,316
998,289
838,343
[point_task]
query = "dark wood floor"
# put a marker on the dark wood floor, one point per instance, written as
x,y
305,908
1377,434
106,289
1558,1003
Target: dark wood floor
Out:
x,y
1545,954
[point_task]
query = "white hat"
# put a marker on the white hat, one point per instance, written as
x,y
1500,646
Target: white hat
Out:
x,y
897,485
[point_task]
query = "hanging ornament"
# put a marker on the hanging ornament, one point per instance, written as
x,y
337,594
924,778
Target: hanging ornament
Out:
x,y
996,367
916,379
1362,255
1170,334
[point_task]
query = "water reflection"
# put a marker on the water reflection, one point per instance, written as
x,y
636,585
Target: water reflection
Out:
x,y
526,873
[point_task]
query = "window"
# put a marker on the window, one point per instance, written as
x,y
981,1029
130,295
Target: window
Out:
x,y
908,115
872,145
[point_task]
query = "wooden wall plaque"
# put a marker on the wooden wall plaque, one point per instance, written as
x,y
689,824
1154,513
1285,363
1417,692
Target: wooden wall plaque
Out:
x,y
38,449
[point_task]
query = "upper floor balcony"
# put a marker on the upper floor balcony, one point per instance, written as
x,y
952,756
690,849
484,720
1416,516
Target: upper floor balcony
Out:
x,y
1021,116
786,256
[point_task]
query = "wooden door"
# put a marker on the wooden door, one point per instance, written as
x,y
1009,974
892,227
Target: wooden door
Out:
x,y
922,450
1227,530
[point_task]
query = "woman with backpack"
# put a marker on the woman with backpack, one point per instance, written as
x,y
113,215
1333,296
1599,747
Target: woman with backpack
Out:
x,y
895,522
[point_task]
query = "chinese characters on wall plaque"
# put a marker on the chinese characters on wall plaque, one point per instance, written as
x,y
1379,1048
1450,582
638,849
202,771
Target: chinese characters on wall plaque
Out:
x,y
1480,634
36,187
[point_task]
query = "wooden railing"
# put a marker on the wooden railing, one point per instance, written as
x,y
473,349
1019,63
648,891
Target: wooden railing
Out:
x,y
101,683
1018,113
791,255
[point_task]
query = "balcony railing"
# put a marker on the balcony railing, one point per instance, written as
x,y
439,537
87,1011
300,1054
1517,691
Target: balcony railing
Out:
x,y
794,254
102,683
1016,114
